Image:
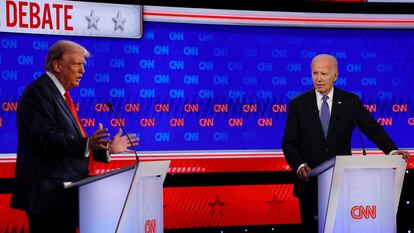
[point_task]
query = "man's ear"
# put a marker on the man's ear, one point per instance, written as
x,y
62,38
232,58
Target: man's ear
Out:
x,y
57,67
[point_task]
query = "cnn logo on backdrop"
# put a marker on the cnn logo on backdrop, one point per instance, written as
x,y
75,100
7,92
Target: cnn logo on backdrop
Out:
x,y
359,212
151,226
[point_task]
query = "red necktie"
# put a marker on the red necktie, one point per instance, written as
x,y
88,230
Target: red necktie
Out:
x,y
71,105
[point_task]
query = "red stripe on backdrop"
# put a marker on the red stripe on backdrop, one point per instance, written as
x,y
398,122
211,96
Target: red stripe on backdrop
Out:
x,y
7,169
276,19
183,165
216,206
205,165
188,164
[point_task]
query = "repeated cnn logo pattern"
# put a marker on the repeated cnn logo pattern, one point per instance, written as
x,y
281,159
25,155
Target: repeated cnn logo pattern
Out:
x,y
185,86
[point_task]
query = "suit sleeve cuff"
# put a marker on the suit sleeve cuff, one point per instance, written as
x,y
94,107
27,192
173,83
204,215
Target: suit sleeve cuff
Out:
x,y
392,152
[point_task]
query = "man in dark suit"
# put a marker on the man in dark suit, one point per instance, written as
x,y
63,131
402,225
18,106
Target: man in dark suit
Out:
x,y
52,144
319,126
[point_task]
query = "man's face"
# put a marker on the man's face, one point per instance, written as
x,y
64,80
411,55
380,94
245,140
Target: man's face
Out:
x,y
70,68
324,74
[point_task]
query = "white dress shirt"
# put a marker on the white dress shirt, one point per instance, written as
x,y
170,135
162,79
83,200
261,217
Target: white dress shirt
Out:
x,y
319,100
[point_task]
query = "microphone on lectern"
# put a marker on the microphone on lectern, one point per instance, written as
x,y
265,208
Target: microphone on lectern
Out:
x,y
360,138
109,104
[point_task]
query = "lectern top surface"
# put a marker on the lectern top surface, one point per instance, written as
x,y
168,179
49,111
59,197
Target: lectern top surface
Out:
x,y
87,180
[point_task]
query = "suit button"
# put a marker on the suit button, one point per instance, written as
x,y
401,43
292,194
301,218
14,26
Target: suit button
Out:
x,y
326,149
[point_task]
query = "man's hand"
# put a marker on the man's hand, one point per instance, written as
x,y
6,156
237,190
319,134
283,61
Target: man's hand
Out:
x,y
120,144
405,154
303,173
97,140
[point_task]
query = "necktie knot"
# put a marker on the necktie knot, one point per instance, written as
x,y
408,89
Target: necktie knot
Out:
x,y
68,99
325,98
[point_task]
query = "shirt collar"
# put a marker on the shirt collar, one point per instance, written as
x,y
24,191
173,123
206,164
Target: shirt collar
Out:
x,y
330,94
57,83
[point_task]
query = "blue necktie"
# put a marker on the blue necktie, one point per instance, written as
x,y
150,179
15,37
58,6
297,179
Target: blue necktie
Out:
x,y
325,116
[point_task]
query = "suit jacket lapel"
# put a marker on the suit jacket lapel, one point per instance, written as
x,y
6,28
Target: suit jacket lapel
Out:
x,y
335,112
66,110
313,108
63,105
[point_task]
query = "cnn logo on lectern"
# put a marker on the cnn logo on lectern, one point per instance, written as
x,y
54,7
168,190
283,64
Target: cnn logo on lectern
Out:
x,y
359,212
151,226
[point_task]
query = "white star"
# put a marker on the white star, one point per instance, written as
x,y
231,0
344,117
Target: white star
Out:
x,y
92,20
119,21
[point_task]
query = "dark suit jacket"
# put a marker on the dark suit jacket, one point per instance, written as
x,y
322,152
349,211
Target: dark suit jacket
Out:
x,y
303,140
50,150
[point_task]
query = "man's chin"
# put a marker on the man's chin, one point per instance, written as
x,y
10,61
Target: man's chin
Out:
x,y
321,90
75,85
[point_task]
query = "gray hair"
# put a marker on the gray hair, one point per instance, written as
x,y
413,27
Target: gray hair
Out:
x,y
58,49
326,57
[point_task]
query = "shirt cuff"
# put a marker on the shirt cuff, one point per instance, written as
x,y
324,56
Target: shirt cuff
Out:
x,y
392,152
300,166
86,149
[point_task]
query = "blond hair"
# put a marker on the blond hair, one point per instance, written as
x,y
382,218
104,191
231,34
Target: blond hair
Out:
x,y
60,48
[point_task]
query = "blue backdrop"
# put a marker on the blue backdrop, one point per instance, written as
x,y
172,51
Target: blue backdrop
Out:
x,y
208,87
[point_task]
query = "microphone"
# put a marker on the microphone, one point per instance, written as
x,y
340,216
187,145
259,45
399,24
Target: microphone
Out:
x,y
360,138
109,104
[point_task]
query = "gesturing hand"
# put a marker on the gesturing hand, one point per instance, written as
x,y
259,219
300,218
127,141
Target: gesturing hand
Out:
x,y
97,140
120,144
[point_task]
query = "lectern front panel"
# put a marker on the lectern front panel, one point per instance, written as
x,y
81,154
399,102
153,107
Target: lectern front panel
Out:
x,y
102,201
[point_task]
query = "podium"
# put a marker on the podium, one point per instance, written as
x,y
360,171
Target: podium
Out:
x,y
126,200
359,193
